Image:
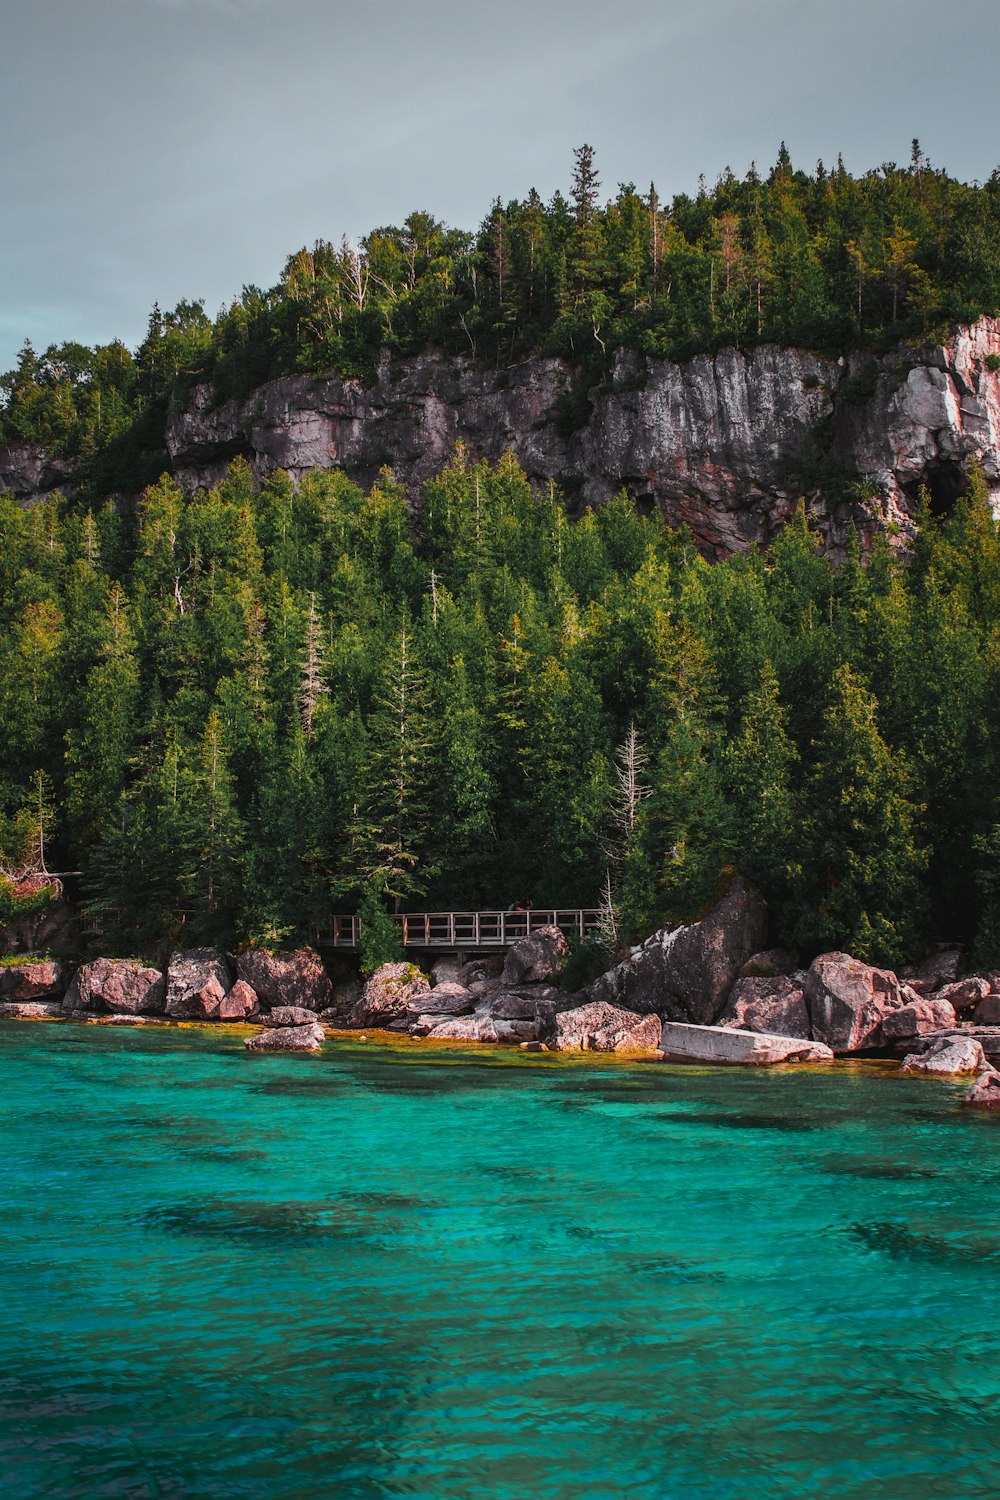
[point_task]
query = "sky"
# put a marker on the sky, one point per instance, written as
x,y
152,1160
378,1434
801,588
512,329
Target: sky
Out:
x,y
154,150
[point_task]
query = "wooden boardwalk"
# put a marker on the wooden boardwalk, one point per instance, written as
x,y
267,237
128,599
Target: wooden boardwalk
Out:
x,y
466,929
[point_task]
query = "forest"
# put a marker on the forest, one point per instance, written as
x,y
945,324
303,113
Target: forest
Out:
x,y
823,259
237,712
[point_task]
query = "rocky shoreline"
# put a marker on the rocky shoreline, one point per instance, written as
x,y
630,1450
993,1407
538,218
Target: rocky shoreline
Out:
x,y
708,992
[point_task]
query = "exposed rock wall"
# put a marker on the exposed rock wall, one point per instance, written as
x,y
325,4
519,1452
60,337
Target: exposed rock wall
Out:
x,y
727,443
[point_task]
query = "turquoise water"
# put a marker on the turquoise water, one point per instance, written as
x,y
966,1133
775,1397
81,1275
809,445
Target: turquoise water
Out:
x,y
398,1272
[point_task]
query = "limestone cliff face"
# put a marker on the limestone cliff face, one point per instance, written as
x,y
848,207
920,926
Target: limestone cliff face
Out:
x,y
727,443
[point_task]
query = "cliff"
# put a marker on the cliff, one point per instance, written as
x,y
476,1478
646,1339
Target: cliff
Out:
x,y
726,443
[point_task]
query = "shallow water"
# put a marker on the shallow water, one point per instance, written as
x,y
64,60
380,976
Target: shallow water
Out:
x,y
400,1272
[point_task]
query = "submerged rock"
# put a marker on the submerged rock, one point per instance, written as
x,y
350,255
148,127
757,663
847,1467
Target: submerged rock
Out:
x,y
687,973
600,1027
985,1092
848,1001
728,1045
287,1039
119,985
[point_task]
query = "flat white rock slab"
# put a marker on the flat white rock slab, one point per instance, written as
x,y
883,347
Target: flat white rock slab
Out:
x,y
724,1044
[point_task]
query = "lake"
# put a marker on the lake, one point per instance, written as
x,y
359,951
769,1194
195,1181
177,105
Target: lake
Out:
x,y
388,1271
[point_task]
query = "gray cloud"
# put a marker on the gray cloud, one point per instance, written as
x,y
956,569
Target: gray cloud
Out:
x,y
156,149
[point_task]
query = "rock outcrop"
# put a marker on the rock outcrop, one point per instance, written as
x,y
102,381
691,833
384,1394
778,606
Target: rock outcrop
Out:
x,y
294,977
987,1012
240,1004
849,1000
985,1092
197,982
965,995
30,1010
54,929
536,957
959,1054
686,974
287,1039
24,983
388,994
920,1018
729,1046
722,442
776,1006
122,986
290,1015
600,1027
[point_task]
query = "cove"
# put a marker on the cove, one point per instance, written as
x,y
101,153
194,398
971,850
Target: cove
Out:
x,y
390,1271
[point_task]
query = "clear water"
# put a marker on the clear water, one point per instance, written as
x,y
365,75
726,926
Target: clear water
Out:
x,y
400,1272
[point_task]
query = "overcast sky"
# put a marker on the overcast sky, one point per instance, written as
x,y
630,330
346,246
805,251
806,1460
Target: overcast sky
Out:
x,y
157,149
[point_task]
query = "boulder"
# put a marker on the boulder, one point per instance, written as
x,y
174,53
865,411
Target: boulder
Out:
x,y
536,957
287,1039
54,929
446,970
988,1038
985,1092
290,1015
483,969
475,1028
687,973
123,986
197,981
444,999
528,1004
240,1004
291,977
919,1018
30,1010
728,1045
771,963
601,1027
947,1054
27,982
387,995
987,1012
966,995
933,972
849,1000
777,1006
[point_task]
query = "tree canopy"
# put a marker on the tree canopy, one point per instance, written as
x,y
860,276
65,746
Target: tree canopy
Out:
x,y
823,259
241,711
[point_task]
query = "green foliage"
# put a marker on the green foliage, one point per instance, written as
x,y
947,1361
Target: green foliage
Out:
x,y
18,900
586,959
381,939
238,712
825,260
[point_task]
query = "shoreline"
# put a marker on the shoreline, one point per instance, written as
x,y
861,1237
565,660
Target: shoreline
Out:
x,y
401,1041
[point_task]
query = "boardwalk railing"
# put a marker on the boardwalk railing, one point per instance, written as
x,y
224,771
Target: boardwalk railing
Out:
x,y
467,929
